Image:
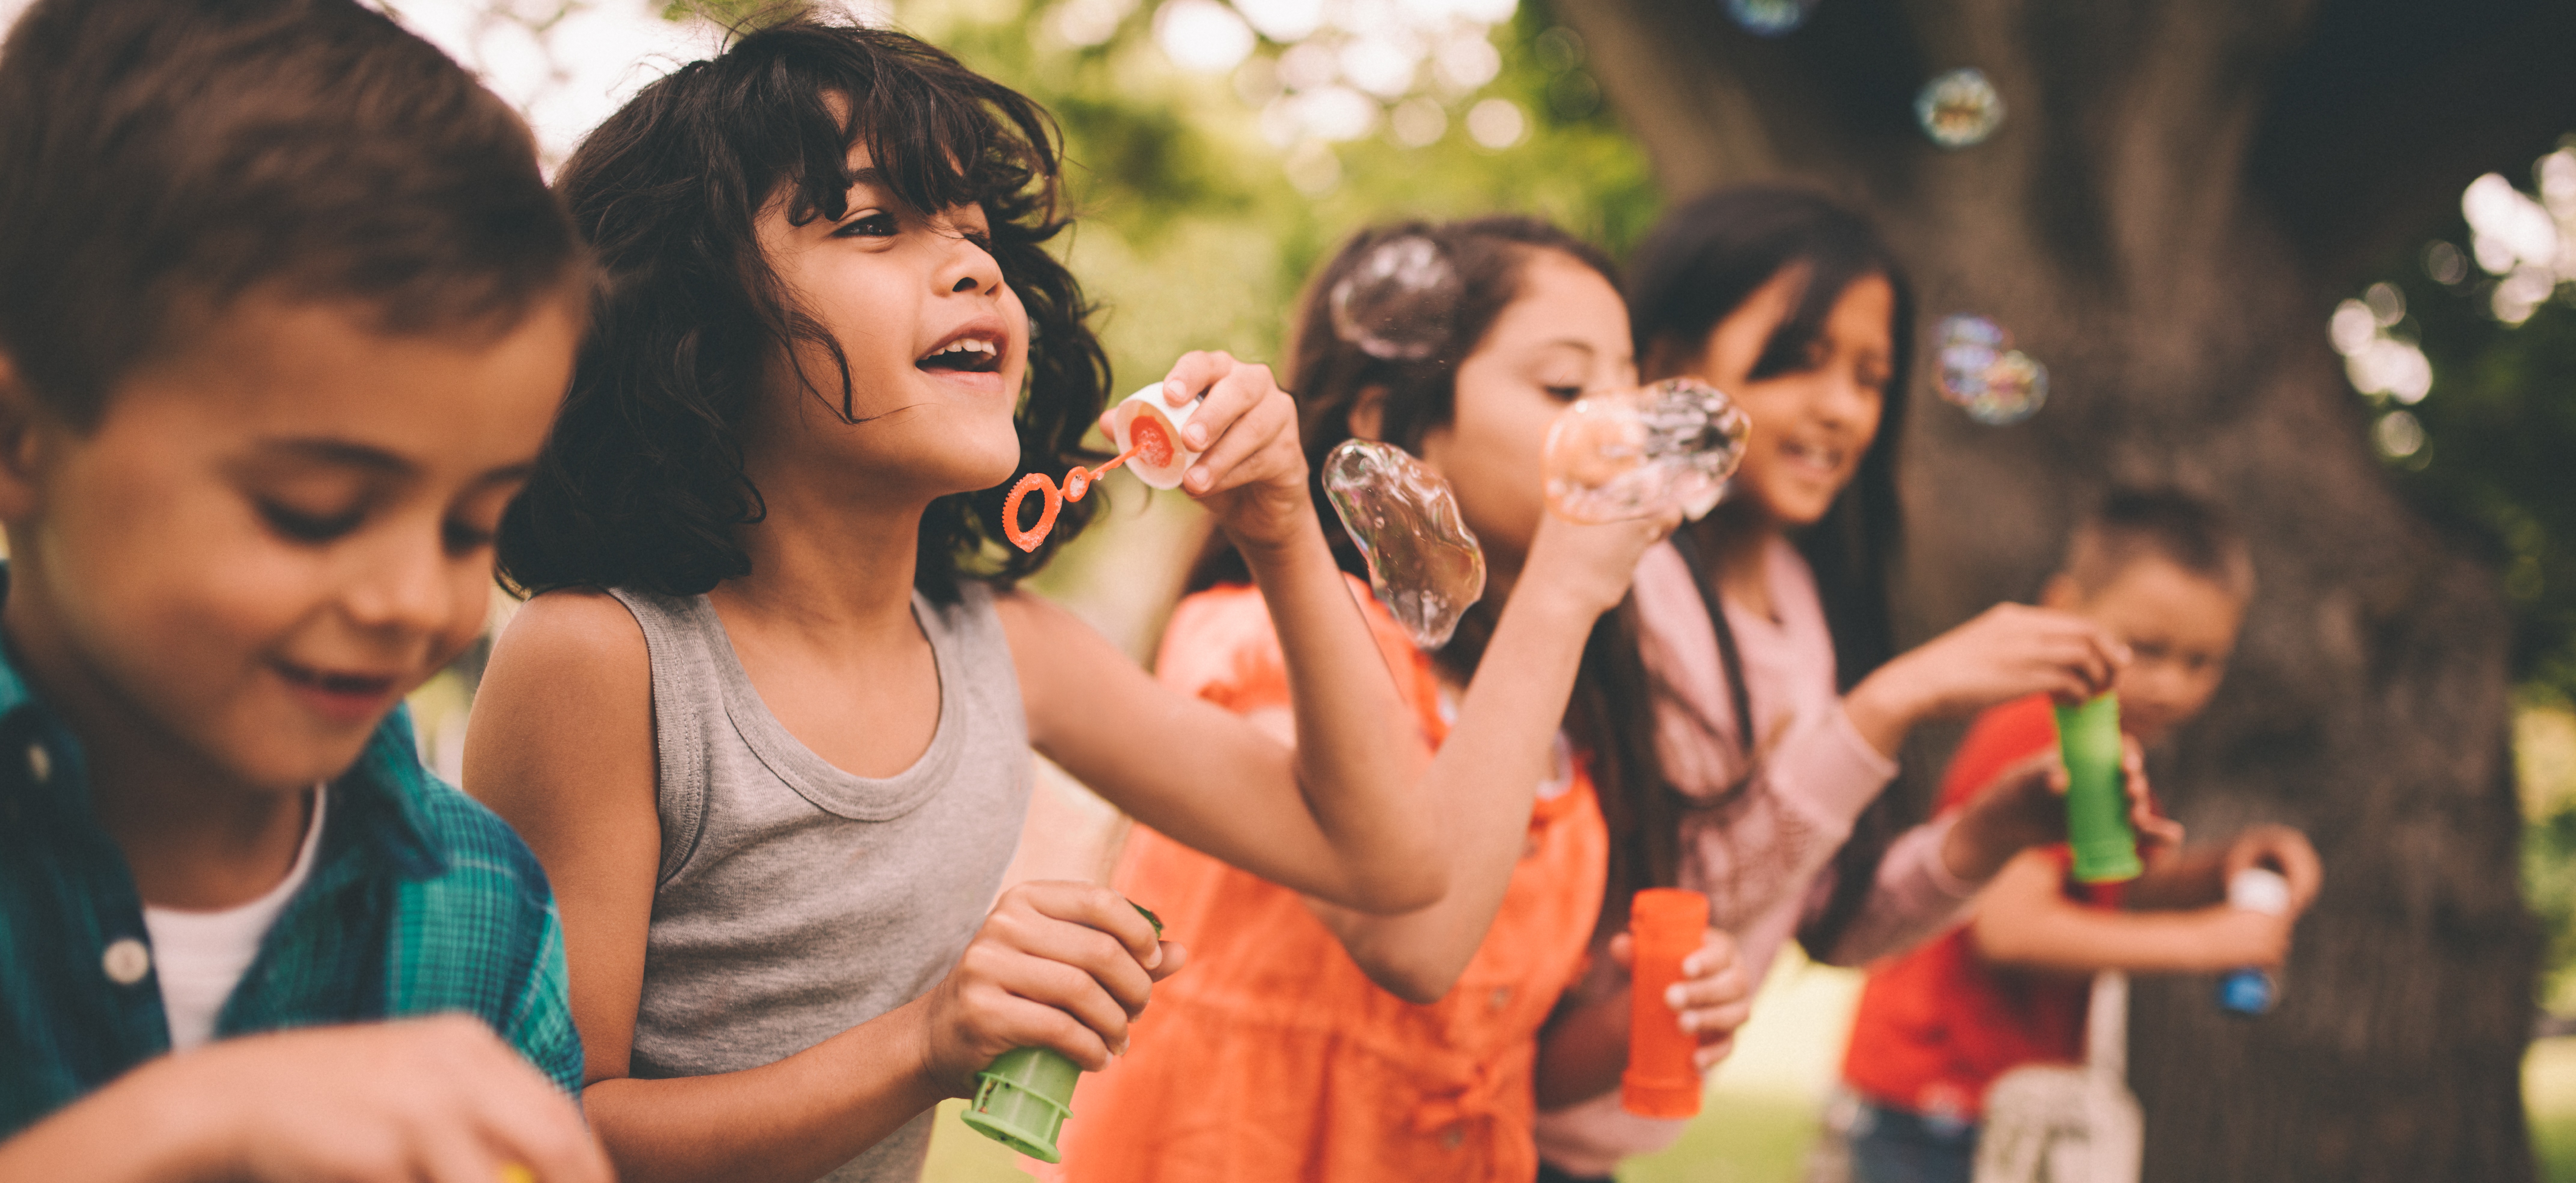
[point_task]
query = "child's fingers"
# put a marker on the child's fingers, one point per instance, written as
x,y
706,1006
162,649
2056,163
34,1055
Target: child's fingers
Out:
x,y
1246,386
1175,955
1092,907
1072,991
1194,374
1623,951
530,1124
1715,1022
1015,1021
1083,949
1713,1053
1255,448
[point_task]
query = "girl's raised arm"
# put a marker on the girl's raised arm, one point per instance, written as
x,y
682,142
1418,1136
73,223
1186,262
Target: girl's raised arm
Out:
x,y
1339,815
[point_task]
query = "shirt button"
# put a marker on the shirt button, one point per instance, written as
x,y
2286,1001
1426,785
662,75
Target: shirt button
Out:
x,y
1501,997
40,763
126,961
1453,1138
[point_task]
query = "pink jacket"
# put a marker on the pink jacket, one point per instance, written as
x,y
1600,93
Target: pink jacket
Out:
x,y
1764,861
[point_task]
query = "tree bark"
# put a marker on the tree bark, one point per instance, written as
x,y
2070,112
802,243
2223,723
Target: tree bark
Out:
x,y
2177,195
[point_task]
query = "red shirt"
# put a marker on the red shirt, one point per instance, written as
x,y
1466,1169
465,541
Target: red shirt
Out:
x,y
1937,1025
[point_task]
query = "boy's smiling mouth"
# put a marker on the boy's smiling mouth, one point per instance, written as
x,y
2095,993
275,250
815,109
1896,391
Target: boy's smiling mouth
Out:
x,y
339,694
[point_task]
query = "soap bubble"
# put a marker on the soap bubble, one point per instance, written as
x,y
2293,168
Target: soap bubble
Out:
x,y
1398,302
2015,387
1770,18
1959,108
1636,452
1423,562
1966,347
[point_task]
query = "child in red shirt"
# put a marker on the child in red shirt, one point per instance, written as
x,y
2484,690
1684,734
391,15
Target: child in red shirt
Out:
x,y
1935,1027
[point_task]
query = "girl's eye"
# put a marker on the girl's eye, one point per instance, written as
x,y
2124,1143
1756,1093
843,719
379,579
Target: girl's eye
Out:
x,y
877,225
1564,394
310,527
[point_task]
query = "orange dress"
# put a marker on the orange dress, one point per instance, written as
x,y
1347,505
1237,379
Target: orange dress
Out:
x,y
1271,1057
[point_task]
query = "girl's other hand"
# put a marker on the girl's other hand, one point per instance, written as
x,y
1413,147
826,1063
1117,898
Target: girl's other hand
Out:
x,y
1251,469
1589,566
1714,997
1059,965
2006,652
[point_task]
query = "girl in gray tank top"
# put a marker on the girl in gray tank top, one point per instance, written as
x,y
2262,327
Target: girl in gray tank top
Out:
x,y
778,966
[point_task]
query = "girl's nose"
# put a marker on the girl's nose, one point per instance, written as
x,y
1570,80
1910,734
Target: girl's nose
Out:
x,y
967,267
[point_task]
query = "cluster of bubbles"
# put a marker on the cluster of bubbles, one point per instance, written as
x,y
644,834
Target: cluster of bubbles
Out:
x,y
1982,373
1399,301
1770,18
2384,366
1959,108
1423,562
1636,452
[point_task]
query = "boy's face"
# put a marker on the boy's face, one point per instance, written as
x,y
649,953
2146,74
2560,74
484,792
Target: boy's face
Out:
x,y
2181,629
274,534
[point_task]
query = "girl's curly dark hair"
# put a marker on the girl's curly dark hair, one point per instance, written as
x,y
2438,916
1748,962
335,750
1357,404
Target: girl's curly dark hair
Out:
x,y
641,483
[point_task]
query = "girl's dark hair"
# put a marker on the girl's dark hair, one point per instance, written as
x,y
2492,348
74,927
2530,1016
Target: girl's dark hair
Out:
x,y
1611,713
642,482
1697,267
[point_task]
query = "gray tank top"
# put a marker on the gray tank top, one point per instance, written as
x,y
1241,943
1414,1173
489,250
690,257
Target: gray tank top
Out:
x,y
796,901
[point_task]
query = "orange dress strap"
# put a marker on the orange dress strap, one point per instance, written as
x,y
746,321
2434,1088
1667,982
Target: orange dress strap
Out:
x,y
1272,1058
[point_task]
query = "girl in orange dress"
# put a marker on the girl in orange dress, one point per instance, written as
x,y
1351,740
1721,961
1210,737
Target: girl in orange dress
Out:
x,y
1310,1042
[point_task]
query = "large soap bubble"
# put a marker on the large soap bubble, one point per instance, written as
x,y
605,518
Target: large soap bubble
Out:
x,y
1399,301
2016,386
1634,452
1770,18
1959,108
1423,562
1981,372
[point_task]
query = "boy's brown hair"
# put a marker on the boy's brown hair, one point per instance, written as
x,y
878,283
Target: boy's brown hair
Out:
x,y
2167,524
160,159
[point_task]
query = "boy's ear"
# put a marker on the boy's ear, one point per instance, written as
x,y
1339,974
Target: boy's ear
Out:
x,y
21,443
1368,413
2062,593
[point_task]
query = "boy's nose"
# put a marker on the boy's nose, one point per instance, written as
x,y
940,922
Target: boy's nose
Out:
x,y
402,589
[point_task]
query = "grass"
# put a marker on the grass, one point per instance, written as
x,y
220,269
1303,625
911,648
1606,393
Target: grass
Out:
x,y
1764,1106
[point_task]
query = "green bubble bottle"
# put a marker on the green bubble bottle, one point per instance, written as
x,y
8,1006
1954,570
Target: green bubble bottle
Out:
x,y
1022,1099
2097,808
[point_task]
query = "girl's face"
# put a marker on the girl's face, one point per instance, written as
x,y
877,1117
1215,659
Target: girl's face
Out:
x,y
1811,424
1565,334
937,347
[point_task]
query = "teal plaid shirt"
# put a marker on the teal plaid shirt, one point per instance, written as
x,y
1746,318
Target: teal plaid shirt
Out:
x,y
420,901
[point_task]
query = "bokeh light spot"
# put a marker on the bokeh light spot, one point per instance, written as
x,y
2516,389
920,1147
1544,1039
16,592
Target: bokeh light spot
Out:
x,y
1959,108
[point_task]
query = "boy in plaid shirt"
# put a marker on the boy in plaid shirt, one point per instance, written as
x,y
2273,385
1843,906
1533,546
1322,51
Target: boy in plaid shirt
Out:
x,y
287,312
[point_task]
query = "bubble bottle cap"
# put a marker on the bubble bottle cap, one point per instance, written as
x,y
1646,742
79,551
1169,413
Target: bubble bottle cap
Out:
x,y
1144,417
1667,926
1022,1099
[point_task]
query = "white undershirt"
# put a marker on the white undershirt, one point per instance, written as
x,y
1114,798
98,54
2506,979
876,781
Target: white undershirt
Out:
x,y
202,955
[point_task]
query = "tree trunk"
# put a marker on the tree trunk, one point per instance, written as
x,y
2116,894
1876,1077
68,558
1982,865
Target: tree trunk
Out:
x,y
2178,193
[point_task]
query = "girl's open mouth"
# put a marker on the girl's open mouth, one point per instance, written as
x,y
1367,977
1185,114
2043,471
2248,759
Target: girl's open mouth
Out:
x,y
337,694
971,355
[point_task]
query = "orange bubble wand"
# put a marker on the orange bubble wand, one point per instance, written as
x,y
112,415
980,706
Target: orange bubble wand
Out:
x,y
1151,444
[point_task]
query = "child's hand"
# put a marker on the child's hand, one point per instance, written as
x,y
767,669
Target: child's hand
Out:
x,y
1060,965
1251,469
2241,938
438,1099
1589,566
2006,652
2025,806
1714,997
2284,850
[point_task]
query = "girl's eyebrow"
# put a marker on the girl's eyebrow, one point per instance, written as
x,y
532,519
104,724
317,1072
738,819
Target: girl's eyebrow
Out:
x,y
340,453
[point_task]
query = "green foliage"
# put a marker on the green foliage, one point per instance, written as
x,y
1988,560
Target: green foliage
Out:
x,y
1191,233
